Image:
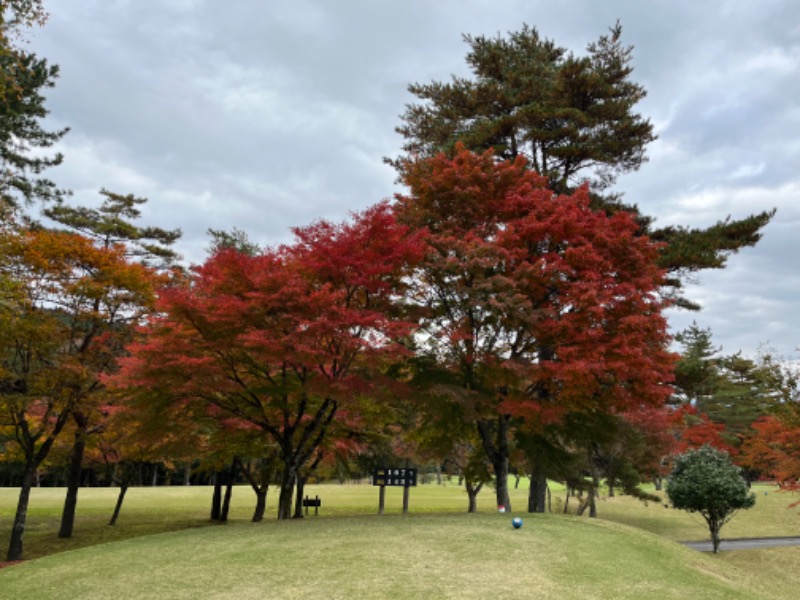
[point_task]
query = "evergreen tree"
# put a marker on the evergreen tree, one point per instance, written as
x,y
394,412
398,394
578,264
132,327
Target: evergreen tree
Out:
x,y
565,114
23,79
697,371
705,481
235,239
112,224
731,390
573,118
748,389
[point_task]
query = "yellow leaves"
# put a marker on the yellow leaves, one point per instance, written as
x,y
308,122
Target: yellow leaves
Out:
x,y
66,270
72,305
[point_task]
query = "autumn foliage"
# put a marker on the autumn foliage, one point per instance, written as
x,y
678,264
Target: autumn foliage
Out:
x,y
537,305
285,341
62,327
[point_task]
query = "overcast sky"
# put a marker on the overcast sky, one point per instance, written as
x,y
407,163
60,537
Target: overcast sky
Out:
x,y
268,115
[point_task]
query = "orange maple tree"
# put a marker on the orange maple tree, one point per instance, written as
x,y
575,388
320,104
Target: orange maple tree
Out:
x,y
62,330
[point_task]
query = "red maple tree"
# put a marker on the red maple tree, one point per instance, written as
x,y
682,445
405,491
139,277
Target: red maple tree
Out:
x,y
537,305
287,340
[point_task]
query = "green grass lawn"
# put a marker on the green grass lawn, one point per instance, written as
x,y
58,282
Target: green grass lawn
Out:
x,y
437,551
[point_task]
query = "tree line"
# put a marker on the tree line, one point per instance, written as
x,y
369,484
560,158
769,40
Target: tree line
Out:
x,y
503,314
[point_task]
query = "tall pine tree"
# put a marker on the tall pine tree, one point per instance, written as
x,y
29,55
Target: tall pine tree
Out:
x,y
573,119
23,79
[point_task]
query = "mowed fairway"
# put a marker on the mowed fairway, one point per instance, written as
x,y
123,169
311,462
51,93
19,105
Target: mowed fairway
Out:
x,y
349,552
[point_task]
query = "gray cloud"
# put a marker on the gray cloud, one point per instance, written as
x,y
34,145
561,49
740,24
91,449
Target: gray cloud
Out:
x,y
265,116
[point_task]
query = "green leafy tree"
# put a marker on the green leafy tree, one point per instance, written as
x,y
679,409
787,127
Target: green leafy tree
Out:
x,y
568,115
23,79
444,430
697,371
235,239
113,223
573,118
705,481
731,390
749,389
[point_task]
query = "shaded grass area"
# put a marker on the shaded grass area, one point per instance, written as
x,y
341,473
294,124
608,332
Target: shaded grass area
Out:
x,y
419,556
437,551
149,510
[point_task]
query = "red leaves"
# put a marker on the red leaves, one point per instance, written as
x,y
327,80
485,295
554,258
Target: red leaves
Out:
x,y
368,255
255,335
540,290
773,450
468,193
534,303
694,430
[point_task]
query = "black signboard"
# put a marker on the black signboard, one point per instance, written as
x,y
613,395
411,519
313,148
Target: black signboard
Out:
x,y
399,477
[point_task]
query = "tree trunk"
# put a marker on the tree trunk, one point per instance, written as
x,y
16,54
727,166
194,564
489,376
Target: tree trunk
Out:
x,y
296,453
298,502
259,480
261,506
593,497
714,526
537,495
216,498
381,499
497,451
230,476
123,489
473,503
18,528
73,480
659,483
286,492
340,473
472,494
187,473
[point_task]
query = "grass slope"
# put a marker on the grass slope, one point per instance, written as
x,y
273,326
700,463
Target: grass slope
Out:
x,y
436,552
420,556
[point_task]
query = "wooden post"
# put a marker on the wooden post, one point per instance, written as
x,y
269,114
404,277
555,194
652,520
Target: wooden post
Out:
x,y
405,493
381,499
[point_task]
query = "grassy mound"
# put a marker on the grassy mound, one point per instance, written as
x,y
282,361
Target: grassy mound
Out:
x,y
419,556
164,546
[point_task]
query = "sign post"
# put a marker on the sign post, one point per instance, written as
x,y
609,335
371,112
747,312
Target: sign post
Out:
x,y
401,477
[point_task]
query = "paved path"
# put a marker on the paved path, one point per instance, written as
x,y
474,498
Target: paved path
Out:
x,y
745,544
